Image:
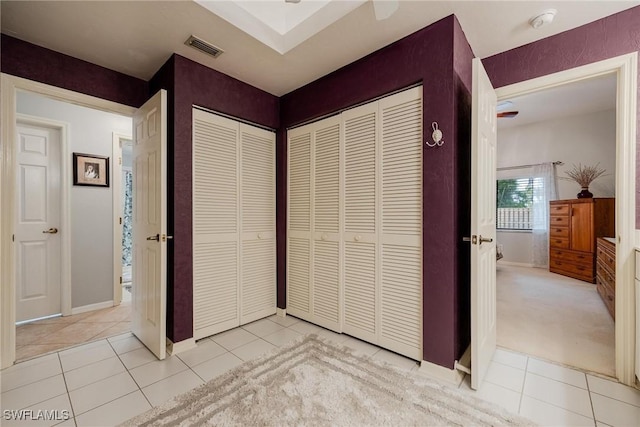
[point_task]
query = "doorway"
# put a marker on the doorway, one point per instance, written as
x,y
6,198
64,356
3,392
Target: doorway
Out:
x,y
542,313
625,70
84,205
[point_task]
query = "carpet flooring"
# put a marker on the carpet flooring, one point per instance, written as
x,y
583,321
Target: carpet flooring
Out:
x,y
554,317
316,382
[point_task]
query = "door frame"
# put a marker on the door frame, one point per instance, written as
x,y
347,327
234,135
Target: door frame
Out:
x,y
118,139
65,220
9,86
626,69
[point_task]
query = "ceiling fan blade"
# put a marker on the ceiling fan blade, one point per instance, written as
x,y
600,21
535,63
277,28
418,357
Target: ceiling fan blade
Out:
x,y
508,114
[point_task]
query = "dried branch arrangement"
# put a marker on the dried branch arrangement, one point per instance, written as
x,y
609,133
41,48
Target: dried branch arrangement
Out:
x,y
585,175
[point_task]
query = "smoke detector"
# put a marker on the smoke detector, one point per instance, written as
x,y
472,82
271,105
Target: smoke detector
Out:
x,y
542,19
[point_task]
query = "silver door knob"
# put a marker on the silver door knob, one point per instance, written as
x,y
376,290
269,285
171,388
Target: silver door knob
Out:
x,y
52,230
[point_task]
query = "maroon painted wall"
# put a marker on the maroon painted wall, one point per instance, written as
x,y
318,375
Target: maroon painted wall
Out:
x,y
463,76
426,56
32,62
189,84
612,36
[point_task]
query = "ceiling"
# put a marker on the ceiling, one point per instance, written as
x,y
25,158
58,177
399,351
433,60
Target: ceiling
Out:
x,y
582,97
137,37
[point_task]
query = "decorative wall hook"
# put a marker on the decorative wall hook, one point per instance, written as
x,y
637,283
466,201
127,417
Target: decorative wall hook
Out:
x,y
436,136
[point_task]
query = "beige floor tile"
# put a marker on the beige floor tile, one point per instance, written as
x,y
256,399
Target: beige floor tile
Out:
x,y
117,329
114,314
77,332
33,334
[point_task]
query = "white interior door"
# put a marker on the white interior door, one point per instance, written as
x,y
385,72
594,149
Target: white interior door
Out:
x,y
37,237
150,224
483,224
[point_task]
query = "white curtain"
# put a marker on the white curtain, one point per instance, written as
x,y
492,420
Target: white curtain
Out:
x,y
544,190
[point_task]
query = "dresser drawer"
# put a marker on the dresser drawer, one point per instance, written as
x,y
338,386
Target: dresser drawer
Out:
x,y
581,258
577,271
605,257
562,221
559,209
608,297
559,232
608,278
559,242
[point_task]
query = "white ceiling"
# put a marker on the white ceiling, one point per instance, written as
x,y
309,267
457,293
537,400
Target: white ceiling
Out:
x,y
137,37
582,97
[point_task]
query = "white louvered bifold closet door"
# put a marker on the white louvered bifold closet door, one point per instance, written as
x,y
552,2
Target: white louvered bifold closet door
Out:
x,y
313,272
215,224
258,213
299,223
355,222
401,232
234,266
360,240
325,296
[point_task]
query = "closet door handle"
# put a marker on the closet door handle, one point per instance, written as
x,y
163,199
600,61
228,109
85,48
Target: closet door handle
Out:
x,y
357,238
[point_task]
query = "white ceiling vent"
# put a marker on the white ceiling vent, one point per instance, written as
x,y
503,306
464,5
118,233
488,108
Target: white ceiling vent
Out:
x,y
204,46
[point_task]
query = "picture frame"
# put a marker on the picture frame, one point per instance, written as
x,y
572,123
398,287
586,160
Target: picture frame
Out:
x,y
90,170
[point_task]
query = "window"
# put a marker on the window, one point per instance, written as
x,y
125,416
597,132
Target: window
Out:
x,y
514,203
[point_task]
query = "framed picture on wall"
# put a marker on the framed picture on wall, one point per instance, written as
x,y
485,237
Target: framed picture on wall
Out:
x,y
90,170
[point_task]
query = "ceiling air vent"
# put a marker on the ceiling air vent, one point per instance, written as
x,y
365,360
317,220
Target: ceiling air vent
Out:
x,y
204,46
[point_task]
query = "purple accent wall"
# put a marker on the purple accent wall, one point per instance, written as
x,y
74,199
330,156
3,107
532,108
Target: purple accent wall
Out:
x,y
463,76
189,84
427,56
23,59
605,38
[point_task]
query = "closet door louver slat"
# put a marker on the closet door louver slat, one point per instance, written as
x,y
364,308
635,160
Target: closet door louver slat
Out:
x,y
326,223
215,225
299,225
401,234
258,272
360,140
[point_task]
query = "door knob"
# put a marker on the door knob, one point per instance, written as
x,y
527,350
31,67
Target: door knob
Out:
x,y
357,238
52,230
484,239
156,238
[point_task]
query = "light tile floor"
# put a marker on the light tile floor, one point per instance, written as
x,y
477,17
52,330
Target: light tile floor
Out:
x,y
56,333
106,382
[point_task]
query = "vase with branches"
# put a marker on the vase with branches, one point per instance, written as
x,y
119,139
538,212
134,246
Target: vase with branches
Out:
x,y
584,176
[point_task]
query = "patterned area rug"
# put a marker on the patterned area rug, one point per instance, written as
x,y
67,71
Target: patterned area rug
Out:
x,y
315,382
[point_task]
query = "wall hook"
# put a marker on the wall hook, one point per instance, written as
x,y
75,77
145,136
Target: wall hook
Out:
x,y
436,136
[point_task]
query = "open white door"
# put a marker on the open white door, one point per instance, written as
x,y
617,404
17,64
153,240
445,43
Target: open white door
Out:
x,y
483,224
150,224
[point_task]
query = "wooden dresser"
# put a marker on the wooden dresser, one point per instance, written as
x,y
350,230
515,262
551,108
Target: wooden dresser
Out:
x,y
606,273
574,226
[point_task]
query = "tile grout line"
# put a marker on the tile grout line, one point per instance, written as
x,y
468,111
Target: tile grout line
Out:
x,y
66,386
524,380
131,376
593,411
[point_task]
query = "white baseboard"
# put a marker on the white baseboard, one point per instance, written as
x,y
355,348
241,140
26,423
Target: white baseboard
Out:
x,y
281,312
452,376
515,264
180,346
92,307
